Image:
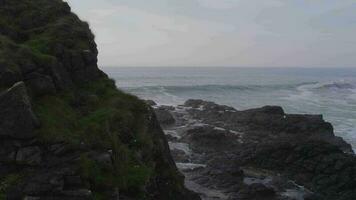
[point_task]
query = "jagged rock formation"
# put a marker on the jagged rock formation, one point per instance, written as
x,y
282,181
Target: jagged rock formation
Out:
x,y
260,154
66,132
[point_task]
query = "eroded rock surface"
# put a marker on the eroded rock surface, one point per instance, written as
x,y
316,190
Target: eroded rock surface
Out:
x,y
260,153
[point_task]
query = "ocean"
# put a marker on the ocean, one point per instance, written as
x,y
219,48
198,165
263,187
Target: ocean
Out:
x,y
327,91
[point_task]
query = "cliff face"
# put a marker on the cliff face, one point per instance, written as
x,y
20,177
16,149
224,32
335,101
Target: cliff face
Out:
x,y
66,131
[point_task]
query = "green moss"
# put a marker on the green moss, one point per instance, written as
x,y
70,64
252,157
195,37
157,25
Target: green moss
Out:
x,y
58,119
39,45
111,120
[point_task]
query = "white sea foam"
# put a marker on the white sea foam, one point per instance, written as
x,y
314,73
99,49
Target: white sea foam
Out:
x,y
219,128
180,146
252,180
189,166
172,133
331,92
205,193
294,194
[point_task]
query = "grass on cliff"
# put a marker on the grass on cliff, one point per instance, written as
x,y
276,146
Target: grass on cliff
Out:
x,y
106,119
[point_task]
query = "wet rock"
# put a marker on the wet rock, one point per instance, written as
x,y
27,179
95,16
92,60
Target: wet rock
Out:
x,y
151,102
313,164
169,108
194,103
278,150
171,138
256,191
208,106
17,119
179,155
209,138
271,110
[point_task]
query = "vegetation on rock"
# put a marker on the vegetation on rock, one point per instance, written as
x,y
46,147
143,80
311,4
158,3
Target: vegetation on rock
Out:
x,y
85,139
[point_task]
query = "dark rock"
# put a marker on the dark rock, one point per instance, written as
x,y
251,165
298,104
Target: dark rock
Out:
x,y
164,116
208,106
82,193
171,138
209,138
89,57
269,145
40,84
151,102
8,77
43,183
315,164
169,108
179,156
77,61
26,65
257,191
60,75
103,159
17,119
272,110
194,103
73,182
29,155
50,49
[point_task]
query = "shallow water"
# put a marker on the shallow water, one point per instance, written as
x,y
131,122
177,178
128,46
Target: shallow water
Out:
x,y
331,92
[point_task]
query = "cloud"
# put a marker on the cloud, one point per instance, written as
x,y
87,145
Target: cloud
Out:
x,y
222,32
219,4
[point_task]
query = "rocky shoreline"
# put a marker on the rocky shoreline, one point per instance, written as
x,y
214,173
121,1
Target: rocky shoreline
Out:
x,y
260,153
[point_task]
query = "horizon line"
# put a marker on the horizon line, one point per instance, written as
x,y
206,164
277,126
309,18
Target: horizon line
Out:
x,y
304,67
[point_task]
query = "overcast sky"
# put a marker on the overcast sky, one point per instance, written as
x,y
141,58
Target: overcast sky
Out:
x,y
281,33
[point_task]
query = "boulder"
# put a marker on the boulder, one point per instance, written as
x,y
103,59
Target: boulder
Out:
x,y
17,119
210,139
179,155
164,116
272,110
150,102
194,103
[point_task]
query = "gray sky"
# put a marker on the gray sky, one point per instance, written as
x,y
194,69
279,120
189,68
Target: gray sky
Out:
x,y
281,33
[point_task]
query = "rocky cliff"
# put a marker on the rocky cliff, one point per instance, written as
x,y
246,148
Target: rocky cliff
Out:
x,y
66,131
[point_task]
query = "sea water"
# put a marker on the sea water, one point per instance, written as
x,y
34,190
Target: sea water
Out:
x,y
327,91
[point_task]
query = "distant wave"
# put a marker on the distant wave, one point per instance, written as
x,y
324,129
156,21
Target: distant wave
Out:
x,y
338,85
209,87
